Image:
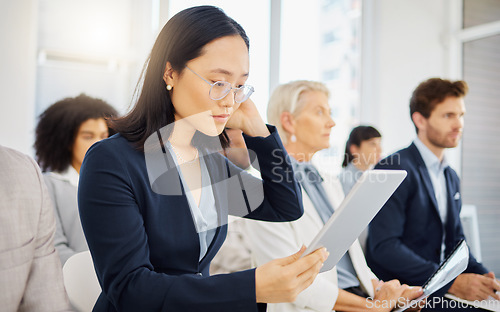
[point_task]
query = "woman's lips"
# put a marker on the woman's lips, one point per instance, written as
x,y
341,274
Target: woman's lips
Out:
x,y
221,118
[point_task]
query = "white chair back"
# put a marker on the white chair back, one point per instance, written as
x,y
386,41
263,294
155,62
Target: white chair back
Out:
x,y
470,225
81,281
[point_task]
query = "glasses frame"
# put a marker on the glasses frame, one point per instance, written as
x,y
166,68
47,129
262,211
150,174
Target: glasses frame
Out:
x,y
250,88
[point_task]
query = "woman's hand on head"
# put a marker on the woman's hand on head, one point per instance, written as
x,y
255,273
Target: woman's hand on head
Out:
x,y
246,117
281,280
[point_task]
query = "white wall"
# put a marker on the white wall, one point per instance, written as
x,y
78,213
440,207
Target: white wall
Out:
x,y
18,22
404,43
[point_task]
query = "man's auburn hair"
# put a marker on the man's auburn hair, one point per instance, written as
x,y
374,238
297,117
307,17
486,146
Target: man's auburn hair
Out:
x,y
433,91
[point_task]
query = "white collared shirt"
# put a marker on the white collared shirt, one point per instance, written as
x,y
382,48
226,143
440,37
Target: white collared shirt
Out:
x,y
205,215
438,179
70,175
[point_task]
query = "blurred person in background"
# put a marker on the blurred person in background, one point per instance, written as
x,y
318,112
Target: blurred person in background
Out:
x,y
64,133
362,151
30,271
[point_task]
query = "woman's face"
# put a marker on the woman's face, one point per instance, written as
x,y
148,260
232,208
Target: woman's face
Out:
x,y
368,153
224,59
313,122
90,131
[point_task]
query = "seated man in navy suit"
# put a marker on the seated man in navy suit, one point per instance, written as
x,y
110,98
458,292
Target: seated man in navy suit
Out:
x,y
420,225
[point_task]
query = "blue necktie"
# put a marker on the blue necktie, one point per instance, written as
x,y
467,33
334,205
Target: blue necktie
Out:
x,y
310,179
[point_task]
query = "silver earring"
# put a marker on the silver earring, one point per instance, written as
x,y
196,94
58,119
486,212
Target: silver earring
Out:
x,y
169,87
293,138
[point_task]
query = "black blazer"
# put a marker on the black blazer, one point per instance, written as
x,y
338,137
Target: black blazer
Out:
x,y
404,240
144,244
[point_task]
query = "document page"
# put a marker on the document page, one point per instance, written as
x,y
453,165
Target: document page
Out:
x,y
455,264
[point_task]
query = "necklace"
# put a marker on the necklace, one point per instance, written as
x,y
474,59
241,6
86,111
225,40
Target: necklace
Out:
x,y
179,157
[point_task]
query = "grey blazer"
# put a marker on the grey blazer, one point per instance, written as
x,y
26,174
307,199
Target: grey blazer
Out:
x,y
30,270
69,238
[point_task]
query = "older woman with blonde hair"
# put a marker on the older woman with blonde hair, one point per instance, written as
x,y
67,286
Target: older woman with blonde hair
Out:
x,y
302,115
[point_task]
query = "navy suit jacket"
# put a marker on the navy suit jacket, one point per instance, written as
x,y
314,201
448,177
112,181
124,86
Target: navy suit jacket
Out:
x,y
404,240
144,244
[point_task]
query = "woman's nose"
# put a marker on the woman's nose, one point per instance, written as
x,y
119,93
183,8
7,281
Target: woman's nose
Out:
x,y
331,123
228,100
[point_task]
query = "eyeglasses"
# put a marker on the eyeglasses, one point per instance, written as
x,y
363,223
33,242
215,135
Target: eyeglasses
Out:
x,y
219,89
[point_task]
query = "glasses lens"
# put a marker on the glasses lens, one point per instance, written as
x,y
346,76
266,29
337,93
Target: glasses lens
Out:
x,y
243,93
219,90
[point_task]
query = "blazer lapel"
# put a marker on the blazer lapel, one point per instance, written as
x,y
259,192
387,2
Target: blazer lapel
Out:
x,y
362,270
424,174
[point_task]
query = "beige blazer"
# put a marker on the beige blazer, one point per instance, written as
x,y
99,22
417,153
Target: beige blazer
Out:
x,y
30,270
269,241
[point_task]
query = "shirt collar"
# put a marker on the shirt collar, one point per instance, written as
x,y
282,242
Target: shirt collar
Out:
x,y
431,161
352,168
70,175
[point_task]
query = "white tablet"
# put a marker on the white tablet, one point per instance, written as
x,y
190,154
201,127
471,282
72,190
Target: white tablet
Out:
x,y
363,202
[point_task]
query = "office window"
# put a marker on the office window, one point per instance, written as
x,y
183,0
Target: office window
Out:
x,y
329,37
95,47
253,16
331,75
321,40
477,12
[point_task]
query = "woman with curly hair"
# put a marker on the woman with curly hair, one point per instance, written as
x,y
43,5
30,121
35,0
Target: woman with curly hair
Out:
x,y
64,133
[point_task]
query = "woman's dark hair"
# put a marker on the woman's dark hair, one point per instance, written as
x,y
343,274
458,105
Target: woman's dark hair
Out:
x,y
58,126
357,136
181,40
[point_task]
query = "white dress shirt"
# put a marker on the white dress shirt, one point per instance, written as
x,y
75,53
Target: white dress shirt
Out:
x,y
436,173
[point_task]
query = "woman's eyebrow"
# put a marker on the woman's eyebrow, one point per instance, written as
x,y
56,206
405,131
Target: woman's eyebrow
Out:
x,y
225,72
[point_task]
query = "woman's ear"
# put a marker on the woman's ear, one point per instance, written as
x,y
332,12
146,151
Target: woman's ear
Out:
x,y
287,122
168,74
354,149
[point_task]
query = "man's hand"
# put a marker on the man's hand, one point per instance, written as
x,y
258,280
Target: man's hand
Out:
x,y
472,287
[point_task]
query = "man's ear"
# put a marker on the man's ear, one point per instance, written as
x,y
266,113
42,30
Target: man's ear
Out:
x,y
287,122
419,120
168,74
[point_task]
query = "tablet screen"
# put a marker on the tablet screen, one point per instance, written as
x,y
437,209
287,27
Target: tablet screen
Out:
x,y
368,195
